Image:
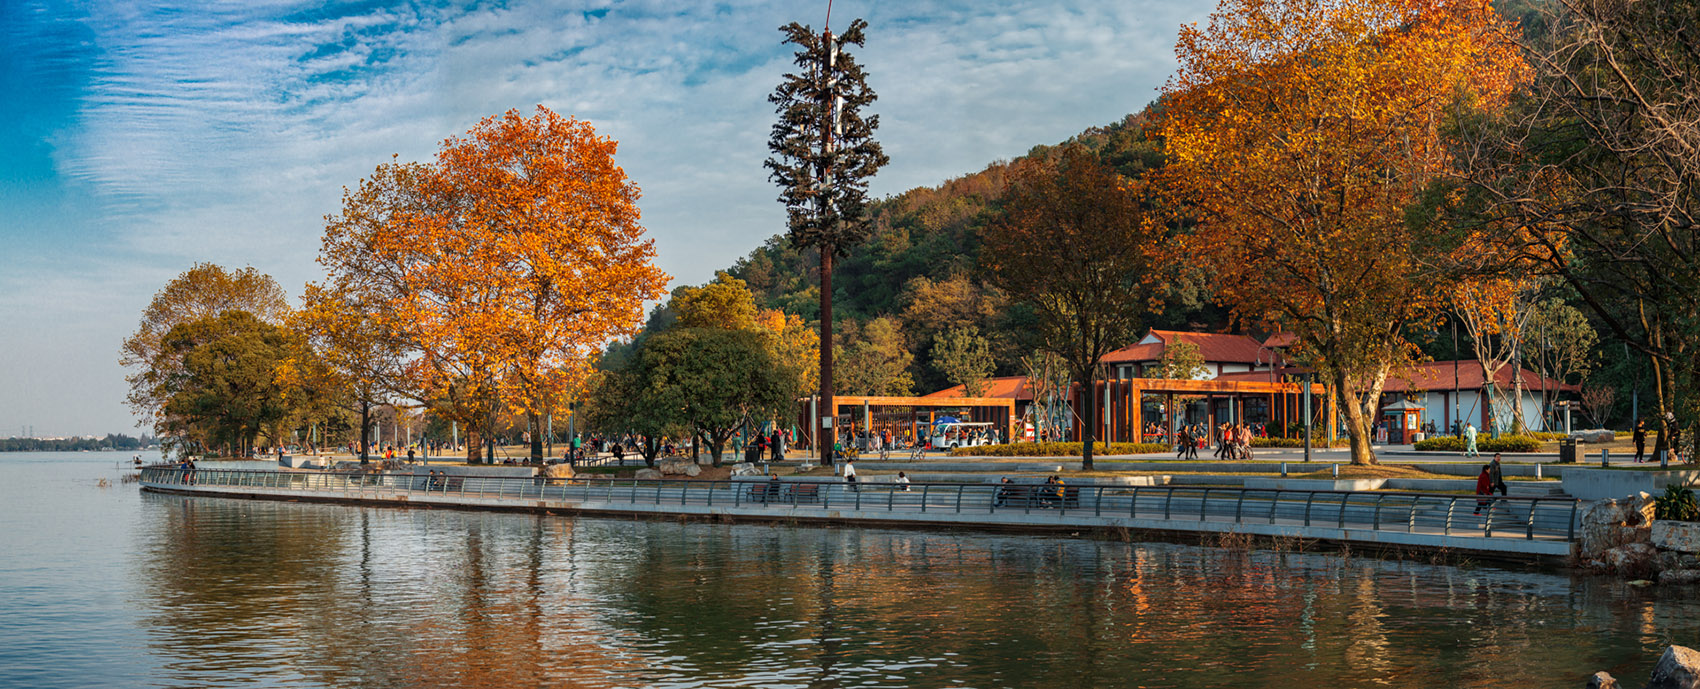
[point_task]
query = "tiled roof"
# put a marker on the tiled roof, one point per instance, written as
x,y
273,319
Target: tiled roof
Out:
x,y
1213,347
1433,375
1007,387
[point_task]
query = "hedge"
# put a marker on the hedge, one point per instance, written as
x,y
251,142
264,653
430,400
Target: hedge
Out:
x,y
1058,449
1504,443
1315,441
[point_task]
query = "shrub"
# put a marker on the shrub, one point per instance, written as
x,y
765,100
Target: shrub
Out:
x,y
1057,449
1504,443
1315,441
1677,504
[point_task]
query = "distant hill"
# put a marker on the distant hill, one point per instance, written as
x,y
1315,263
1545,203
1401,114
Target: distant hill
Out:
x,y
921,268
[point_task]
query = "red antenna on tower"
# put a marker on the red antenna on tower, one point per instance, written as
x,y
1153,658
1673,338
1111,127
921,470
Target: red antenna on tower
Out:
x,y
828,24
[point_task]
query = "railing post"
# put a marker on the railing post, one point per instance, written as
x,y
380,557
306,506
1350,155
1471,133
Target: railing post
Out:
x,y
1168,502
1530,534
890,497
924,489
658,493
858,500
1274,502
1487,524
684,493
959,488
1376,523
1343,498
1204,506
1310,498
1239,506
1450,505
738,495
1133,504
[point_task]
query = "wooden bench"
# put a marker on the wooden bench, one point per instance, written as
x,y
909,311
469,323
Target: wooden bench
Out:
x,y
1037,495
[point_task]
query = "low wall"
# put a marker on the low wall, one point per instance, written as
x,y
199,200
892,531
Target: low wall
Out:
x,y
1599,484
1538,550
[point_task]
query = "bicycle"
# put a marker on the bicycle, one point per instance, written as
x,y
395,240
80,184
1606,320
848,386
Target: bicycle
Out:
x,y
918,454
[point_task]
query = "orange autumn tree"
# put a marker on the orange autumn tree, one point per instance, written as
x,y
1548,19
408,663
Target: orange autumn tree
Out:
x,y
504,265
1299,133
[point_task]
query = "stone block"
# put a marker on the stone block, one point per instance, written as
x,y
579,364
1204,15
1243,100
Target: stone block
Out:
x,y
1679,576
745,469
647,474
1632,559
1603,680
1593,435
1678,668
1682,537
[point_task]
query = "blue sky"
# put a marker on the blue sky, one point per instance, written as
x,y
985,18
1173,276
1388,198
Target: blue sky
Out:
x,y
137,138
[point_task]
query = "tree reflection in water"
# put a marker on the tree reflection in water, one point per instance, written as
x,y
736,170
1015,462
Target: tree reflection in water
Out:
x,y
312,595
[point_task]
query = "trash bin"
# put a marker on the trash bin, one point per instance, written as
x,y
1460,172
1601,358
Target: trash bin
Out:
x,y
1567,451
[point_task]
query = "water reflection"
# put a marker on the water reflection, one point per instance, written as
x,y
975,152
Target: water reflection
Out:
x,y
313,595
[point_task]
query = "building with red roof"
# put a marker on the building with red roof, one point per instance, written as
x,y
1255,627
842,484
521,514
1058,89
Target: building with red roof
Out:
x,y
1223,353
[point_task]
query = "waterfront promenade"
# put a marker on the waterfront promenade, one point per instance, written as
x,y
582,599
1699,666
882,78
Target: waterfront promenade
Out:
x,y
1522,528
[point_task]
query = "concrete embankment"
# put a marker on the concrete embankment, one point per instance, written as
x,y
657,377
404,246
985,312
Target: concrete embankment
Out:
x,y
1517,529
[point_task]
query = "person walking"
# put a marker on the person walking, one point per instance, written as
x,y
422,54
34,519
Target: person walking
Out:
x,y
1484,487
1640,441
777,445
1496,472
850,473
1470,441
1182,442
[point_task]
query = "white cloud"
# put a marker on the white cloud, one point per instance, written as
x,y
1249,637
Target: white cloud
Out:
x,y
224,132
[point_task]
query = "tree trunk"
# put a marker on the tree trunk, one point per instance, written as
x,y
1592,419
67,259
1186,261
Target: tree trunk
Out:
x,y
474,444
651,447
827,408
536,438
1091,418
1357,423
716,445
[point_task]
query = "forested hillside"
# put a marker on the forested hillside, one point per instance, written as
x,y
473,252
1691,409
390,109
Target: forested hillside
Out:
x,y
918,276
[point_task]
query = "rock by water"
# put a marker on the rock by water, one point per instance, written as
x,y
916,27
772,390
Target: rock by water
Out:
x,y
1678,668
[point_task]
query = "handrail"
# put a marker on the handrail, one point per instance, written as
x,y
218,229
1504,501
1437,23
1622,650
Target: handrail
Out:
x,y
1538,517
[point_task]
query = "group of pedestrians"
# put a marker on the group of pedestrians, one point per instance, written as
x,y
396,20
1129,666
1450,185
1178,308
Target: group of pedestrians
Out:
x,y
1233,441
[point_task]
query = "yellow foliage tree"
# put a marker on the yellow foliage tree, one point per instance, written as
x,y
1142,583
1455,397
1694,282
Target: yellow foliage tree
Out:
x,y
1299,133
504,265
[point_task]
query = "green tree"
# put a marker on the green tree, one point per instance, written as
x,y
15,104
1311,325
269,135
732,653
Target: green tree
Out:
x,y
877,361
202,291
227,381
718,380
965,359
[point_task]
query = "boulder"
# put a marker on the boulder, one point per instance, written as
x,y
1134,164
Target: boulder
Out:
x,y
1678,668
644,474
555,471
1639,510
1603,680
745,469
1682,537
682,466
1669,560
1680,576
1632,558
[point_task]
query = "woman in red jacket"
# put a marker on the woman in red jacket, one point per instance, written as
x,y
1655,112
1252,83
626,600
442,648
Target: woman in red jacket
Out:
x,y
1484,486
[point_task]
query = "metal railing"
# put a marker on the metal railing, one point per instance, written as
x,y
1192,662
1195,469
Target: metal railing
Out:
x,y
1423,513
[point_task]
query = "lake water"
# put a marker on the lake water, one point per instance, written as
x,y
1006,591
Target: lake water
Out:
x,y
109,586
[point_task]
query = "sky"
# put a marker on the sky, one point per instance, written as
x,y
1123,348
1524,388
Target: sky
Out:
x,y
139,138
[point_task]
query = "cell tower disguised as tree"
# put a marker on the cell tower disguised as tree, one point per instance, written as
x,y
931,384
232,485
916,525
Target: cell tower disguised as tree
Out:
x,y
823,155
